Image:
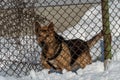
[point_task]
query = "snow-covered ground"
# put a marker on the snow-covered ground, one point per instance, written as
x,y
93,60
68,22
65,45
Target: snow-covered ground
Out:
x,y
95,71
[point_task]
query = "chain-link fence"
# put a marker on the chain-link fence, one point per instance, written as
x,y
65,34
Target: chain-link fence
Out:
x,y
19,51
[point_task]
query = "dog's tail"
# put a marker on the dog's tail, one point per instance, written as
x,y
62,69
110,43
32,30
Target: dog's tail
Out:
x,y
94,40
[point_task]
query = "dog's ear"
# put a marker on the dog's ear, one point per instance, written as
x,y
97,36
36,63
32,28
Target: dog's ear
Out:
x,y
37,25
51,26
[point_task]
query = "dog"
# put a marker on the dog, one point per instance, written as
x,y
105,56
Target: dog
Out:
x,y
58,53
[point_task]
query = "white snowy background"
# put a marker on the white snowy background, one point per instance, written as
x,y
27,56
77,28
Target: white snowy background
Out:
x,y
95,71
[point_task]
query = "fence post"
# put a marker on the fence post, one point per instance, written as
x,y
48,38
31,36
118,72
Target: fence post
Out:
x,y
106,32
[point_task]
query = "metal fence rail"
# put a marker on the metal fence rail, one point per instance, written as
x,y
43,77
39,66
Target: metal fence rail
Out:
x,y
19,51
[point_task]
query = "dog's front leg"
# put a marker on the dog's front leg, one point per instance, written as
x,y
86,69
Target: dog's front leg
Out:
x,y
44,63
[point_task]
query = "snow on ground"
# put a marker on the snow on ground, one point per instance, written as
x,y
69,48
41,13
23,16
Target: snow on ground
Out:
x,y
95,71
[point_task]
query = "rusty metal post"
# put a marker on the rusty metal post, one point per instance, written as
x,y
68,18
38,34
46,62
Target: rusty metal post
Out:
x,y
106,32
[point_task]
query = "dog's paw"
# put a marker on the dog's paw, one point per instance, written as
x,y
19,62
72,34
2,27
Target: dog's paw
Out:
x,y
54,71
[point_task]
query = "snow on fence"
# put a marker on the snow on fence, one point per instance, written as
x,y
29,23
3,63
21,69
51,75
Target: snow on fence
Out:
x,y
19,51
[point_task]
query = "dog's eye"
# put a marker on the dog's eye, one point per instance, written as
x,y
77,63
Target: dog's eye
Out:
x,y
44,30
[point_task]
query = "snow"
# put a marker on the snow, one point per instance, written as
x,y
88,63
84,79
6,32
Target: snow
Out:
x,y
21,49
11,47
95,71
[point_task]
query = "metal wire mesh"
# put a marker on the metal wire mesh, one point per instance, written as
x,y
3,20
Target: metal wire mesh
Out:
x,y
19,51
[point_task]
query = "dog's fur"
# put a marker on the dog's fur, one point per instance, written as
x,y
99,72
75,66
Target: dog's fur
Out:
x,y
58,53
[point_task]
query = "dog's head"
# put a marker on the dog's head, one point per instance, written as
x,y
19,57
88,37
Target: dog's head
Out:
x,y
44,34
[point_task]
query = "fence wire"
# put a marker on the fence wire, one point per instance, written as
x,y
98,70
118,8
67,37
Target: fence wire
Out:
x,y
19,51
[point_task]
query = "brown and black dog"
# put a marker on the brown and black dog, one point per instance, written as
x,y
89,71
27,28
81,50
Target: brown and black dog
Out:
x,y
58,53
